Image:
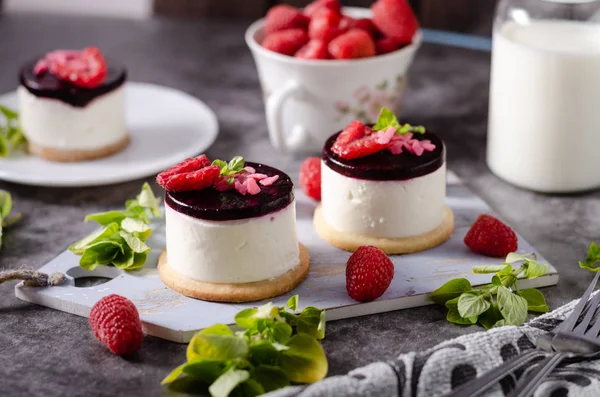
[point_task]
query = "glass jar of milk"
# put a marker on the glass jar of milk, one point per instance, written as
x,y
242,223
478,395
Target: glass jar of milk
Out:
x,y
544,116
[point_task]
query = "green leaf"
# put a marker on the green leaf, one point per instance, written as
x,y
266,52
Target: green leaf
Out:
x,y
9,113
496,281
490,317
500,323
385,120
124,260
512,307
105,218
470,304
222,165
281,332
250,388
236,164
102,234
270,377
592,259
456,318
148,200
263,352
228,381
450,290
292,303
131,225
173,375
139,260
245,318
205,370
536,302
3,145
514,257
304,361
311,322
5,204
216,347
217,329
535,269
100,253
135,243
487,269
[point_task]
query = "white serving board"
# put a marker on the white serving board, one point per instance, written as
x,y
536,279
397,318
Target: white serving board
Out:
x,y
169,315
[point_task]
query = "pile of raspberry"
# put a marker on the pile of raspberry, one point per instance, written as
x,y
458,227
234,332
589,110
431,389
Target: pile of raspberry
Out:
x,y
321,31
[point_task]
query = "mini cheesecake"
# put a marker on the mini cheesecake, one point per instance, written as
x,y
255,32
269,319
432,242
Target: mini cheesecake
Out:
x,y
232,243
394,201
69,111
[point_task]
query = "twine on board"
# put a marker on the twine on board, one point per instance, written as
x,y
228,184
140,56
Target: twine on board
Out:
x,y
32,278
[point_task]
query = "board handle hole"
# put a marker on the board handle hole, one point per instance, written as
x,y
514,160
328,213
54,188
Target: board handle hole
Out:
x,y
91,278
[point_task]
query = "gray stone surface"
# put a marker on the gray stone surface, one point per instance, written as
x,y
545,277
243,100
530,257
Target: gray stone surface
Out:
x,y
49,353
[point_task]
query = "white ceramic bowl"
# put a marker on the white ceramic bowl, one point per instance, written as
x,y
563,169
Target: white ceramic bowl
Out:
x,y
308,100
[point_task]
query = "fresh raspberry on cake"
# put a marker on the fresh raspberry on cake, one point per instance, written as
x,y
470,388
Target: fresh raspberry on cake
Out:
x,y
355,43
362,147
395,19
310,177
311,9
193,180
282,17
353,131
286,42
385,45
325,25
314,49
116,323
189,165
369,273
489,236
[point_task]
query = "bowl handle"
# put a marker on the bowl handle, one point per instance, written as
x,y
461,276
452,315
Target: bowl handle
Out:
x,y
297,138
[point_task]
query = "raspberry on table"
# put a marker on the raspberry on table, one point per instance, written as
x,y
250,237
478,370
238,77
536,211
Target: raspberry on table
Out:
x,y
356,43
116,323
286,42
282,17
310,177
489,236
395,19
369,273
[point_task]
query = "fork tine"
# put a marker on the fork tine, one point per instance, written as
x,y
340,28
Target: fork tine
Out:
x,y
582,327
570,322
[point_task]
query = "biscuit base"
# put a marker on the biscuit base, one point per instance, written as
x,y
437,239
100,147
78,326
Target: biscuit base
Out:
x,y
405,245
70,156
235,292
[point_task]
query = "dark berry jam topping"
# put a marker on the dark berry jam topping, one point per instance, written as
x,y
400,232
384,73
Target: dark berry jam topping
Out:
x,y
210,204
384,166
47,85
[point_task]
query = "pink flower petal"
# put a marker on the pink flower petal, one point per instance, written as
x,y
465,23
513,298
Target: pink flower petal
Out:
x,y
415,147
240,187
395,147
385,137
427,145
253,187
250,170
269,181
257,177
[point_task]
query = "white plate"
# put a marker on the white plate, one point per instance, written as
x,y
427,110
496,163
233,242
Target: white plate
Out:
x,y
166,127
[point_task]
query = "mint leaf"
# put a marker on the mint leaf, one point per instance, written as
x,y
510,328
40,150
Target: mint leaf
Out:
x,y
270,377
148,200
312,322
454,317
304,361
105,218
385,120
512,307
484,269
535,300
471,305
592,259
236,164
228,381
450,290
216,347
490,317
514,257
292,303
222,165
535,269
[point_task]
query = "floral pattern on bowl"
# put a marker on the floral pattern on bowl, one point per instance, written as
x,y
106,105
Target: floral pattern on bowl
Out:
x,y
368,102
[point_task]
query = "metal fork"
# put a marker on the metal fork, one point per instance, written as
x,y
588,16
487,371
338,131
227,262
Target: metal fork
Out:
x,y
572,340
543,344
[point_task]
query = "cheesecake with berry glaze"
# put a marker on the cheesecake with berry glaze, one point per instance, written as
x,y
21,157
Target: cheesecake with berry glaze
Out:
x,y
384,186
231,231
72,105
